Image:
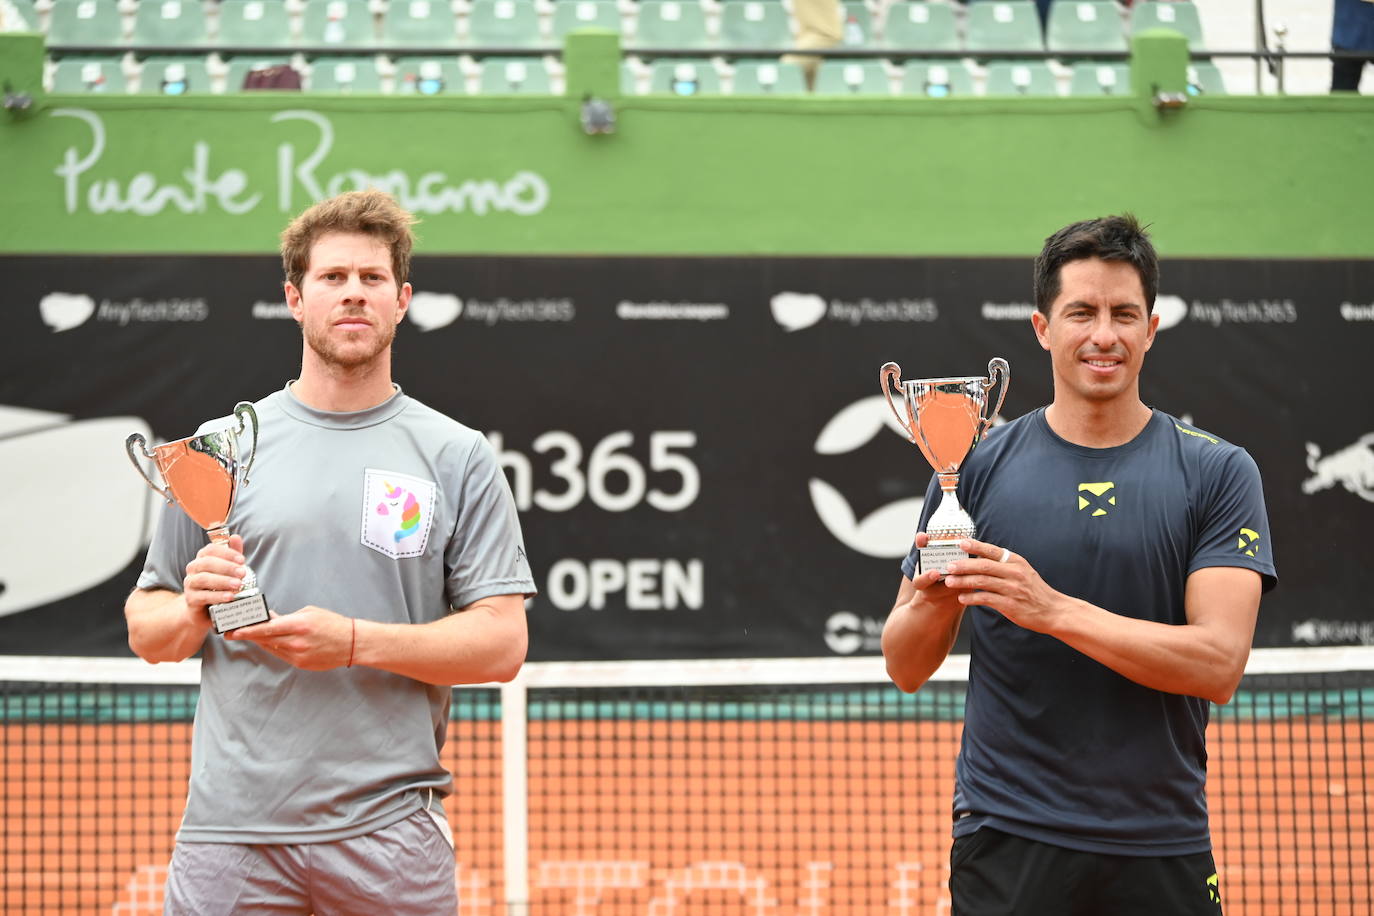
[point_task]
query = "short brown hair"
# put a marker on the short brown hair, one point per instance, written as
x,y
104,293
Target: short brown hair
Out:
x,y
372,212
1111,238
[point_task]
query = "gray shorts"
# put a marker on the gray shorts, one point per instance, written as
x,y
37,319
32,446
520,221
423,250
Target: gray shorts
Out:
x,y
406,869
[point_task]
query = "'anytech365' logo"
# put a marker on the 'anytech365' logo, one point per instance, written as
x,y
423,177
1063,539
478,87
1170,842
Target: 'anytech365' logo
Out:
x,y
1098,497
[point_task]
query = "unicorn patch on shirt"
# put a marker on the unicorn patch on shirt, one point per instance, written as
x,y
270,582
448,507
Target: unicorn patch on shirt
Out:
x,y
398,510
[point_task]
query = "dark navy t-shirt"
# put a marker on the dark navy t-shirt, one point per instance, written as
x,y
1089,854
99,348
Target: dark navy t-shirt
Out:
x,y
1058,747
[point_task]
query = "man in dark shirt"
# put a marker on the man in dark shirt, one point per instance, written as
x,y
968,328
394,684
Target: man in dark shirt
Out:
x,y
1112,593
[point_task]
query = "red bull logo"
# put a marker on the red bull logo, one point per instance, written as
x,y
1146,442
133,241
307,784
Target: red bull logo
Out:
x,y
1352,467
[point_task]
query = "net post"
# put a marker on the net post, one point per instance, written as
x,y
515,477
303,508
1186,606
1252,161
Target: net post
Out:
x,y
515,794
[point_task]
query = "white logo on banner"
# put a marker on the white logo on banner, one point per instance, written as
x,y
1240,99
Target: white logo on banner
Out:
x,y
197,186
1352,467
672,311
1171,310
847,633
61,473
398,510
429,311
1357,311
795,311
887,532
64,311
1316,632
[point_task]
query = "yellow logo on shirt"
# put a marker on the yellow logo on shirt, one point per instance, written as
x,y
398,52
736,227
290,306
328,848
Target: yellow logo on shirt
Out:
x,y
1249,539
1096,496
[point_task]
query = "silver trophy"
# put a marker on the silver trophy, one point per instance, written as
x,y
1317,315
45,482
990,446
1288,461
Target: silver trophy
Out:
x,y
203,475
946,418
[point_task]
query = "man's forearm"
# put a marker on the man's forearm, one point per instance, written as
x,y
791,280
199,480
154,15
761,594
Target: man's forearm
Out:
x,y
482,643
162,628
916,641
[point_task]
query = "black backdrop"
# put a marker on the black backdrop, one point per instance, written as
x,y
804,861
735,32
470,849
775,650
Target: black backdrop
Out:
x,y
755,375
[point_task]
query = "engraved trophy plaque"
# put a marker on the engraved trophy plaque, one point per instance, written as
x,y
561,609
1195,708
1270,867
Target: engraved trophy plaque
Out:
x,y
946,418
203,475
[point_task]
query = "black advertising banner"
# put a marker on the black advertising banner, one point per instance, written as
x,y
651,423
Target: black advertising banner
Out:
x,y
701,456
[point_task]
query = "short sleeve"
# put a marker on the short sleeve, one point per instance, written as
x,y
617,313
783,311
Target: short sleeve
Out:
x,y
933,496
176,541
1234,524
485,554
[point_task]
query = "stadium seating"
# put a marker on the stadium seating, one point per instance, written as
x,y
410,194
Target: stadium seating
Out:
x,y
28,17
1204,78
837,76
89,74
1179,15
754,24
1100,79
503,24
937,80
430,76
1007,25
584,14
768,77
173,76
1020,77
85,22
419,23
1085,26
514,75
921,26
253,23
344,74
670,24
338,23
170,23
684,77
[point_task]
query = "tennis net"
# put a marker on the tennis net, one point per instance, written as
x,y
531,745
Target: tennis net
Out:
x,y
796,787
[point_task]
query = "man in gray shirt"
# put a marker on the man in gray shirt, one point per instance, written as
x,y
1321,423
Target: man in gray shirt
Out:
x,y
386,540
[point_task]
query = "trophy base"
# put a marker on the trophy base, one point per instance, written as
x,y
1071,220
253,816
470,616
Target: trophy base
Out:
x,y
240,612
938,555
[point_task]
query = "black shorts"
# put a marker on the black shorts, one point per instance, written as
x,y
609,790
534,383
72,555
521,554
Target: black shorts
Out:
x,y
996,874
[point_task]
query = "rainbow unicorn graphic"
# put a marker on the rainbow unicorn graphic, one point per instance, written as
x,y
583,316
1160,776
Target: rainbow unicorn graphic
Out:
x,y
410,511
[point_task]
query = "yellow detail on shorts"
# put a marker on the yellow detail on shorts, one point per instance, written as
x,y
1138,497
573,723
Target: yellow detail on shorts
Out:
x,y
1213,889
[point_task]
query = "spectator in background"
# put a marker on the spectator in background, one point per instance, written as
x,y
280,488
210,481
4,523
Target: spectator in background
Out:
x,y
1352,29
820,24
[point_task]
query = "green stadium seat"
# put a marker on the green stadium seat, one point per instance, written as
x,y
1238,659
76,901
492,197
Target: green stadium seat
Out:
x,y
584,14
1100,79
89,74
419,23
341,23
921,26
768,77
1179,15
857,30
85,22
1085,26
671,24
1006,25
430,76
173,76
503,24
344,74
629,79
760,24
254,24
684,77
514,75
1204,78
170,23
837,76
240,67
937,80
1020,77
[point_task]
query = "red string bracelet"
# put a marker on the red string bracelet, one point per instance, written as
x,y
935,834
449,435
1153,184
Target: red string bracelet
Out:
x,y
352,642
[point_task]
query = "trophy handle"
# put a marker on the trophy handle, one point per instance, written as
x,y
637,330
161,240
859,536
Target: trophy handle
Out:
x,y
244,411
136,440
999,374
889,373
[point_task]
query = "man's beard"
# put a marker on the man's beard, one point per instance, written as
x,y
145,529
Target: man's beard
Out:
x,y
348,355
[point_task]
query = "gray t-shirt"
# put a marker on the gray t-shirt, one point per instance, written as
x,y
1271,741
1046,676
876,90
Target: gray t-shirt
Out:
x,y
395,514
